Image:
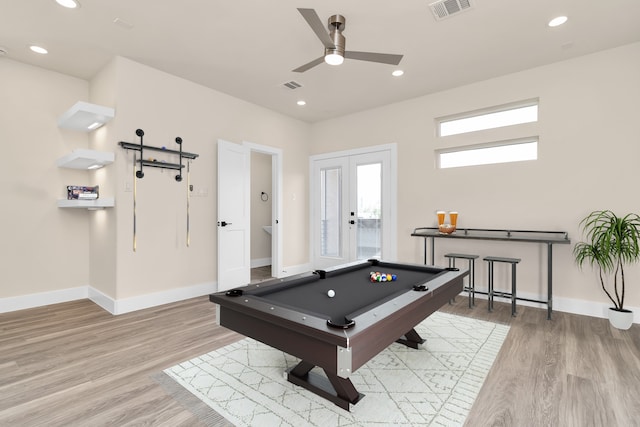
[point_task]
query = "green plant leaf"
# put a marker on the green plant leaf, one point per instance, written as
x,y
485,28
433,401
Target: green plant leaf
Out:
x,y
611,242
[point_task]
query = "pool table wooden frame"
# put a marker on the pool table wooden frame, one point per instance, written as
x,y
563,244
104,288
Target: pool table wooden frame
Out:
x,y
339,352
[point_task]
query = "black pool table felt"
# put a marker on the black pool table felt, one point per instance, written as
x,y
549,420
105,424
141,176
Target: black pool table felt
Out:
x,y
354,292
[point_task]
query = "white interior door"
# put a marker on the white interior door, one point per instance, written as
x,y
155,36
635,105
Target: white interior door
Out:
x,y
234,215
352,208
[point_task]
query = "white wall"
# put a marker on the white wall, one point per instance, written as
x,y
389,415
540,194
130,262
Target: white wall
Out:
x,y
43,248
48,250
588,132
588,155
103,226
166,107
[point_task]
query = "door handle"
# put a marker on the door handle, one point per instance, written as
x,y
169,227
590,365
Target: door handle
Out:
x,y
224,223
352,222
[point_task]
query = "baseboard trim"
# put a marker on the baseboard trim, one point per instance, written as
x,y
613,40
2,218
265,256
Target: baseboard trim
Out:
x,y
567,305
127,305
106,302
260,262
589,308
23,302
294,269
102,300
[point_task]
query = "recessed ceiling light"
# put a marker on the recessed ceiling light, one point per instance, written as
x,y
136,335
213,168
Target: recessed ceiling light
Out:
x,y
38,49
301,103
558,21
70,4
397,73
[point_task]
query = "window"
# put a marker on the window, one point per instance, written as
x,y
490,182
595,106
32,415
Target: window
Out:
x,y
482,152
489,119
508,151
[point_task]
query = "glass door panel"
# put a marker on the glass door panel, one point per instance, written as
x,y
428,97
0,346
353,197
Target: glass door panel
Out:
x,y
368,239
331,212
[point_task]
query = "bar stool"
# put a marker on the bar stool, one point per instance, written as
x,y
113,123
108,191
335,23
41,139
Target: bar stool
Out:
x,y
471,289
513,261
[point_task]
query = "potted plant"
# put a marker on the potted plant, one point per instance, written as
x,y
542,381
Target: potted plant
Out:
x,y
612,242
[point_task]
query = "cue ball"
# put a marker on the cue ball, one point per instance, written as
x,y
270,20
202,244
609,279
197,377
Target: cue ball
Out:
x,y
331,293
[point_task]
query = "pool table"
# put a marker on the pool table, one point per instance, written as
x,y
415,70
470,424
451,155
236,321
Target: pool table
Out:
x,y
338,334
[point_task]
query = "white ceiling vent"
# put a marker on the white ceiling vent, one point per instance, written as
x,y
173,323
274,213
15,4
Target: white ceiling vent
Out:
x,y
445,8
292,85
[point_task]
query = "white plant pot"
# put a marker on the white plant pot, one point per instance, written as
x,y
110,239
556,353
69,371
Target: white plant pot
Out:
x,y
621,319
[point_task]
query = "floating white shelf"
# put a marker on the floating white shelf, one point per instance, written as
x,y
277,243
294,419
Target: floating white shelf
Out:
x,y
101,203
84,116
85,159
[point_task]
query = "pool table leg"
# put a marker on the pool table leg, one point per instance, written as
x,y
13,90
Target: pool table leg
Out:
x,y
340,391
411,339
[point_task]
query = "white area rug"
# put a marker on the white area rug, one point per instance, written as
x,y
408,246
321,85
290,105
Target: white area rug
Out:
x,y
435,385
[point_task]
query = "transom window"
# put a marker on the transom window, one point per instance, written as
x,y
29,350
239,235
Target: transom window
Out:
x,y
526,112
508,151
491,152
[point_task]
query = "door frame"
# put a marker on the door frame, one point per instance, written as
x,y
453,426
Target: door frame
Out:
x,y
392,148
277,234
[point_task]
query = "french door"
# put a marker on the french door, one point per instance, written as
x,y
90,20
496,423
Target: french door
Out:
x,y
352,208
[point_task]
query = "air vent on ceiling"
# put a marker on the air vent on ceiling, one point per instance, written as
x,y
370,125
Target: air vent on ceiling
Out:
x,y
292,85
445,8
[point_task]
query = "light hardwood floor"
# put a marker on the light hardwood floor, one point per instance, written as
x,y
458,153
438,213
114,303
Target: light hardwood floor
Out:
x,y
73,364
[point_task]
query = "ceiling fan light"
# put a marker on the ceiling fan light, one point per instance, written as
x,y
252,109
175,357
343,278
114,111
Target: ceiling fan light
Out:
x,y
333,59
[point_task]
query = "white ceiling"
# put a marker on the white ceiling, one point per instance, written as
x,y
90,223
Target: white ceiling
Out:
x,y
247,48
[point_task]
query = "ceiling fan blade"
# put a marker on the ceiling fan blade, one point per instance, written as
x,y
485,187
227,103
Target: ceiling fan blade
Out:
x,y
316,25
311,64
385,58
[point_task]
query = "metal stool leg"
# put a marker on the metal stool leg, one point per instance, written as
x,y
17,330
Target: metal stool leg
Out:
x,y
470,286
452,264
471,283
490,296
513,290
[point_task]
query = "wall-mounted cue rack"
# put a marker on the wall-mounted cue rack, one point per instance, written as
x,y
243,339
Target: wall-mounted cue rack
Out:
x,y
154,163
158,164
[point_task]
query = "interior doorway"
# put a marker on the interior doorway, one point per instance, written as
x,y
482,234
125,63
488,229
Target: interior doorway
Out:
x,y
234,212
261,216
266,190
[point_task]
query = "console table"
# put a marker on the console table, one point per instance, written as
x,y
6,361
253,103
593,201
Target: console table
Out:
x,y
548,238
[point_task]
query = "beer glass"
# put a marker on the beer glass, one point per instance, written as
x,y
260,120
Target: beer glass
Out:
x,y
453,216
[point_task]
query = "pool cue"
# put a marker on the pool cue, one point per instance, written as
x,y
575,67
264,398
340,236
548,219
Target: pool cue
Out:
x,y
188,199
134,201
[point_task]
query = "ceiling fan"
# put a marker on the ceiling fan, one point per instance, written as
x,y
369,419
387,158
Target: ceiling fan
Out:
x,y
334,43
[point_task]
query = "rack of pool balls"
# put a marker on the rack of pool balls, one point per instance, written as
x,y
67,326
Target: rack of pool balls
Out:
x,y
376,276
